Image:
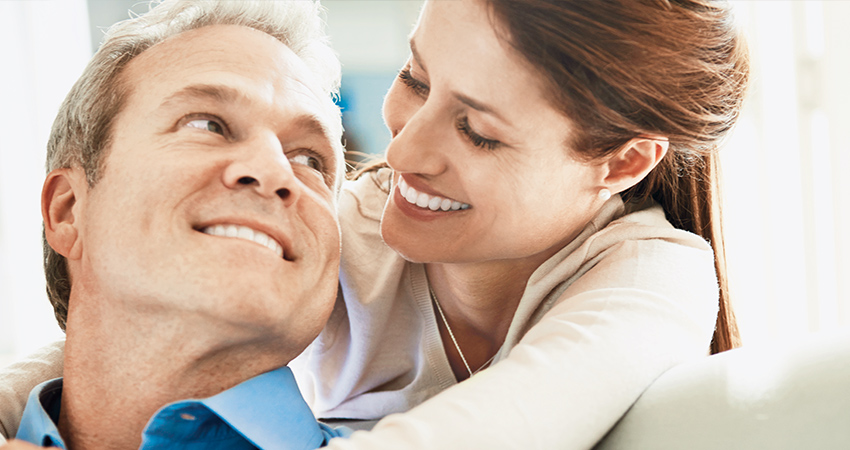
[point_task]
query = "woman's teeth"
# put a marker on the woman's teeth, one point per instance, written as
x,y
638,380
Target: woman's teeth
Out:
x,y
432,202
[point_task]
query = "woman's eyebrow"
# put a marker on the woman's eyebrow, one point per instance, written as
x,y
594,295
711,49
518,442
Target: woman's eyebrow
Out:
x,y
416,54
465,99
478,106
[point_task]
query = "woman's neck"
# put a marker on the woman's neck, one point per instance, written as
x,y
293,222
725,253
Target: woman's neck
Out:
x,y
479,301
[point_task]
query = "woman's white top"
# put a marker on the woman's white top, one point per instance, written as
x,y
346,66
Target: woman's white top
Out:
x,y
629,298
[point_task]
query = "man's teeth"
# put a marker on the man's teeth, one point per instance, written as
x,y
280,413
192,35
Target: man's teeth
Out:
x,y
432,202
249,234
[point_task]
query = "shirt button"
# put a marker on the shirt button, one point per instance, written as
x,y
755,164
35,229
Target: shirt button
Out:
x,y
186,416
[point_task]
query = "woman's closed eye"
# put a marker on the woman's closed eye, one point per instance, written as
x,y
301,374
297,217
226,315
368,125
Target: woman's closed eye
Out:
x,y
475,138
418,87
422,90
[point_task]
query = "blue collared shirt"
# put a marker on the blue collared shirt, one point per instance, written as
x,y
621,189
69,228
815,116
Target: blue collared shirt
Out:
x,y
264,412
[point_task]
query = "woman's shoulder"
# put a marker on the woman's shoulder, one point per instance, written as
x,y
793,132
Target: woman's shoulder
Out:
x,y
361,204
637,260
648,221
642,254
365,195
643,245
620,225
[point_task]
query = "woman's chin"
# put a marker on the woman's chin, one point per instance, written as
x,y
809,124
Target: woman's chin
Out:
x,y
407,248
423,241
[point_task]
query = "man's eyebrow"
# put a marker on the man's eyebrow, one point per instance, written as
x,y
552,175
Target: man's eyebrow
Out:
x,y
312,125
218,93
466,100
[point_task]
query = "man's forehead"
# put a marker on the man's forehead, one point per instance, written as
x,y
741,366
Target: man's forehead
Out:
x,y
231,64
221,49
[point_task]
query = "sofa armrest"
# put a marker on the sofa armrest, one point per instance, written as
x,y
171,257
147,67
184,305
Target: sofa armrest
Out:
x,y
793,397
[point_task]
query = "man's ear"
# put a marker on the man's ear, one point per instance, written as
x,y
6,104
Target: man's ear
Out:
x,y
60,209
633,162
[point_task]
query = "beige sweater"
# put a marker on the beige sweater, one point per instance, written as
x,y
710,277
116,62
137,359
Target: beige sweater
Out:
x,y
598,322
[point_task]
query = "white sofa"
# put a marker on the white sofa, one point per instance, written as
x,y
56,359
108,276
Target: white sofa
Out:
x,y
794,397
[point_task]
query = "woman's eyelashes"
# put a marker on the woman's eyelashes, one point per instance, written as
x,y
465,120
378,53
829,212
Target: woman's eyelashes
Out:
x,y
475,138
419,88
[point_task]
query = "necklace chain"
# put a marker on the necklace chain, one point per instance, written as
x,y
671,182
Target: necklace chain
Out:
x,y
452,335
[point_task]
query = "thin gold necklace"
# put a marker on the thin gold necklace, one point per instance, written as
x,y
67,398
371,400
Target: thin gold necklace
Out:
x,y
452,335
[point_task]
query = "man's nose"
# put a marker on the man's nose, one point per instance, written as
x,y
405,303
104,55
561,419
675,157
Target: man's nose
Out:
x,y
261,165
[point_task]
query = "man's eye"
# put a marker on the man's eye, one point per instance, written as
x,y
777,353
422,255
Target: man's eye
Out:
x,y
208,125
307,160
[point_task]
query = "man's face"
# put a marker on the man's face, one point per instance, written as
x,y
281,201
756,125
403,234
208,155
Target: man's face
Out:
x,y
217,199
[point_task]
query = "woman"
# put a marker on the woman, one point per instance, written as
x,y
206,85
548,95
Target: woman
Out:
x,y
547,217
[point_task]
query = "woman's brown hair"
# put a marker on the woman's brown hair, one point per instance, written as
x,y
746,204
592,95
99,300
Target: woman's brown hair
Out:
x,y
619,69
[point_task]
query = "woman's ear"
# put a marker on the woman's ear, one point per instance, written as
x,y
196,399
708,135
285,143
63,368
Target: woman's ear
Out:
x,y
60,197
633,162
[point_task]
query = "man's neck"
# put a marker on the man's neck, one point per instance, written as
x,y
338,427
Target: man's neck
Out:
x,y
115,380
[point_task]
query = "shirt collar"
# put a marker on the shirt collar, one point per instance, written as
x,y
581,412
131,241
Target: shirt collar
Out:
x,y
38,424
268,410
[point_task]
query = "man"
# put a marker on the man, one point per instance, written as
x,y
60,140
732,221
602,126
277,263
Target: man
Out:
x,y
192,245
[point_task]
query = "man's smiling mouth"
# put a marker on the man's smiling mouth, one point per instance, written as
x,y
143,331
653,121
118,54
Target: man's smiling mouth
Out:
x,y
246,233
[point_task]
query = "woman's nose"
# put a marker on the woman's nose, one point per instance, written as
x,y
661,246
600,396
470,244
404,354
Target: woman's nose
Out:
x,y
419,140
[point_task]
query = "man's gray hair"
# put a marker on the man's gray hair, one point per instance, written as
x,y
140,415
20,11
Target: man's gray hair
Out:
x,y
82,131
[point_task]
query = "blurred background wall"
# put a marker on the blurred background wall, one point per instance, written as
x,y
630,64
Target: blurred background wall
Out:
x,y
787,199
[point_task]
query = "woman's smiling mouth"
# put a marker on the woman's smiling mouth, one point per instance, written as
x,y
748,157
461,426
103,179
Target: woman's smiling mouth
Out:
x,y
432,202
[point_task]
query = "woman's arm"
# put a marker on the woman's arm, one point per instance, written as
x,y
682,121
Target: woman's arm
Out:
x,y
644,308
18,379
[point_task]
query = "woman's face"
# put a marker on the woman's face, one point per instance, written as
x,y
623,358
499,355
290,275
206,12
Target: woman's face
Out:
x,y
481,168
